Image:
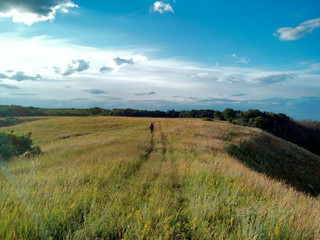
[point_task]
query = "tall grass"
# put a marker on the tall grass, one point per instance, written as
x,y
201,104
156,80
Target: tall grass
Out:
x,y
109,178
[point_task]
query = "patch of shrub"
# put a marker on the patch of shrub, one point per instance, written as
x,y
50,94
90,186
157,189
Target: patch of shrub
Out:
x,y
218,115
8,121
12,144
207,119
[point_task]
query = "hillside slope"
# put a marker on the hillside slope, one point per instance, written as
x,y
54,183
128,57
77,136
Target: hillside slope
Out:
x,y
109,178
281,160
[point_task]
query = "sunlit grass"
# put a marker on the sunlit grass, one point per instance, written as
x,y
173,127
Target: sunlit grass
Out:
x,y
109,178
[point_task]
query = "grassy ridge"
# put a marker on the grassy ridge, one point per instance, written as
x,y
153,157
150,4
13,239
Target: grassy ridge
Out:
x,y
303,133
281,160
107,177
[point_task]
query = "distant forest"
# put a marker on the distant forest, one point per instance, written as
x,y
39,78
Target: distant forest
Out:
x,y
302,133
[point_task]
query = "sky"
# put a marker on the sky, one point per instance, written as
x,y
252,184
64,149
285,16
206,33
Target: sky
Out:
x,y
163,55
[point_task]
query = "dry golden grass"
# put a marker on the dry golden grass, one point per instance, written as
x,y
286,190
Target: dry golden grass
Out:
x,y
109,178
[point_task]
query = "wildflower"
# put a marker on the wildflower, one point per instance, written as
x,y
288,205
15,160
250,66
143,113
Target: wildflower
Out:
x,y
147,226
178,224
137,213
194,223
166,227
129,216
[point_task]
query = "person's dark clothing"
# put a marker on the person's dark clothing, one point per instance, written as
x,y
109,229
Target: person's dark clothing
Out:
x,y
151,127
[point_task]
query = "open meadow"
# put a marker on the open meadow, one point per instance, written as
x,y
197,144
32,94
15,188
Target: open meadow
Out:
x,y
109,178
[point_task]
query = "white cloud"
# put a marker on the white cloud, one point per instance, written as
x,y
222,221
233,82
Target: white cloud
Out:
x,y
244,60
125,84
200,75
161,7
139,58
295,33
29,12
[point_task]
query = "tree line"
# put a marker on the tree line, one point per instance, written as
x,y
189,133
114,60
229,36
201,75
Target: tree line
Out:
x,y
303,133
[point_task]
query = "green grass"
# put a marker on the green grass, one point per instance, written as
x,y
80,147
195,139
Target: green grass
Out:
x,y
109,178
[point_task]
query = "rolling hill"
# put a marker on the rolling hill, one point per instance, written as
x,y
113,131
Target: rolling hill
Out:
x,y
109,178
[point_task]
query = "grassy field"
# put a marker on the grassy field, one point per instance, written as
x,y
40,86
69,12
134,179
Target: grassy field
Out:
x,y
109,178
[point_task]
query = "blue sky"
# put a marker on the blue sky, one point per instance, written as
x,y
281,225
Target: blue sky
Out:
x,y
149,54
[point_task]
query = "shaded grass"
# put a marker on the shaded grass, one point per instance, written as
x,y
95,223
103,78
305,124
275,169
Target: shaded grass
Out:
x,y
280,160
119,182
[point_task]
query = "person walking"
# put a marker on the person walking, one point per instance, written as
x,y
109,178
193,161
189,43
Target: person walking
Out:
x,y
151,127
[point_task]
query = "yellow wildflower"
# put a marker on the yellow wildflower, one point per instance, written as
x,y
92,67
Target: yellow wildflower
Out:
x,y
194,223
129,216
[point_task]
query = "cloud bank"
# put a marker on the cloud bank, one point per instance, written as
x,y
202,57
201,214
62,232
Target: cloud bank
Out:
x,y
295,33
145,94
275,78
7,86
20,76
95,91
154,83
30,11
